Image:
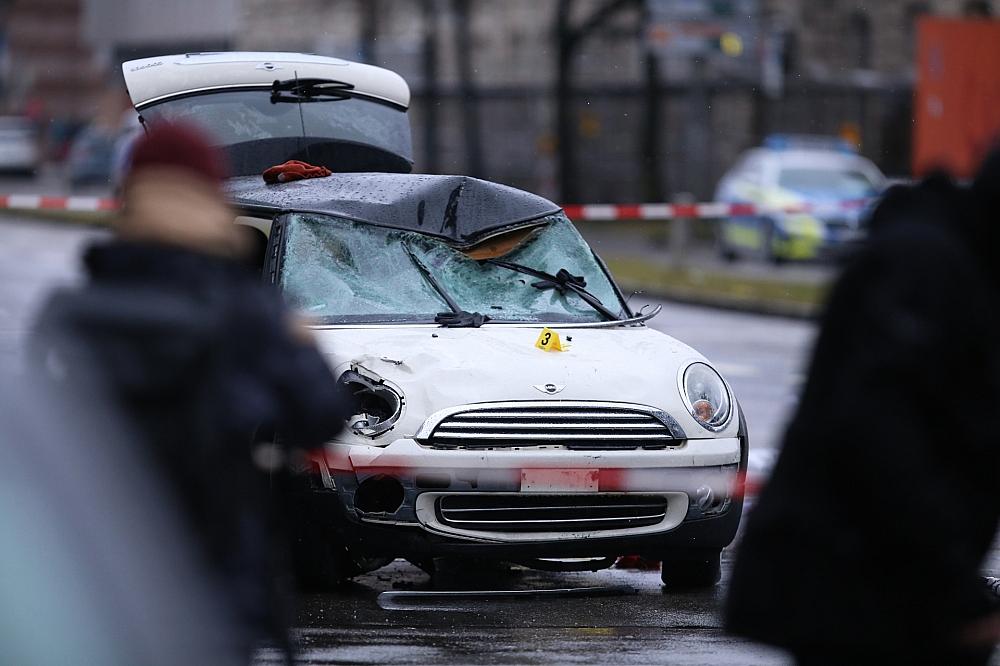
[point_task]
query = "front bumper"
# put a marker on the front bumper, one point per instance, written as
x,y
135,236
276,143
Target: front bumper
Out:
x,y
376,539
699,481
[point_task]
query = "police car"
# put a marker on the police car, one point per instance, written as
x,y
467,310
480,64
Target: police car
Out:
x,y
805,197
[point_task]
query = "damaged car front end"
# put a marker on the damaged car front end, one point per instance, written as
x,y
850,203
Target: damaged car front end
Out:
x,y
510,404
470,438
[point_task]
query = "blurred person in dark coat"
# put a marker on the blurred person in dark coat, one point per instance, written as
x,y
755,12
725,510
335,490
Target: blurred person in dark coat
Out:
x,y
96,567
865,545
204,361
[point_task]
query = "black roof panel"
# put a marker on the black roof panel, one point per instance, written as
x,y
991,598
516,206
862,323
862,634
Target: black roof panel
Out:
x,y
459,209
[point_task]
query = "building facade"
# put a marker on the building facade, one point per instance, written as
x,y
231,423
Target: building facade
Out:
x,y
845,67
496,87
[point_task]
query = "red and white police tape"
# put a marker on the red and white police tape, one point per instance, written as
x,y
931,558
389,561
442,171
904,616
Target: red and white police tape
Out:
x,y
41,202
606,212
578,212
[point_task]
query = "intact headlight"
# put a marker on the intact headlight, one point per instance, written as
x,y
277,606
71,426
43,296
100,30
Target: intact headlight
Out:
x,y
706,396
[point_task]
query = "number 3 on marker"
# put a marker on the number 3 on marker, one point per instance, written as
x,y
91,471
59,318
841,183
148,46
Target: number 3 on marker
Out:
x,y
548,340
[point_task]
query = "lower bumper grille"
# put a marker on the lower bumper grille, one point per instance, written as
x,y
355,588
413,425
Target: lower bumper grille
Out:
x,y
550,513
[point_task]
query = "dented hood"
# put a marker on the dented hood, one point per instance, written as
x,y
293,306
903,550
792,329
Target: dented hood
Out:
x,y
457,209
437,368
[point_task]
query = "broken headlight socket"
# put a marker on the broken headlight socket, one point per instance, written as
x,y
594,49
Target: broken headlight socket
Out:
x,y
377,404
706,396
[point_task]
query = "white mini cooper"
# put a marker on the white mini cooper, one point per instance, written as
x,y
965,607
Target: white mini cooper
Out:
x,y
511,405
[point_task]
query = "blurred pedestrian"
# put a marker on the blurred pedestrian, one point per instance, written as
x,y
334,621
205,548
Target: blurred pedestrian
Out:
x,y
96,566
865,545
202,358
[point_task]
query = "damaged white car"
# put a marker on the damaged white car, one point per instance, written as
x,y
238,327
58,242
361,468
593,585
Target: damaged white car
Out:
x,y
511,404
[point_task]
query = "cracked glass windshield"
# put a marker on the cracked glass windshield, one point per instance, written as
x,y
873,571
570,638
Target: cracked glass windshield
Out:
x,y
339,271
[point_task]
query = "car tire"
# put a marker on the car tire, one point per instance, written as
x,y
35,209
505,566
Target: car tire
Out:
x,y
691,570
425,565
728,254
320,564
726,251
767,249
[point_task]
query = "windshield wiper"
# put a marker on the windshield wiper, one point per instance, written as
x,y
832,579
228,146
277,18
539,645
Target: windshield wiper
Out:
x,y
562,282
309,90
457,318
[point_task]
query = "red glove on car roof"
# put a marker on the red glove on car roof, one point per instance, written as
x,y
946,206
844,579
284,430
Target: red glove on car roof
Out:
x,y
294,170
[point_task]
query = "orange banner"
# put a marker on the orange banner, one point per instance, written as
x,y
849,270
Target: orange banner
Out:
x,y
957,101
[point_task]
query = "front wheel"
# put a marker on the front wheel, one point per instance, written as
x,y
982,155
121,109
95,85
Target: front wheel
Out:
x,y
320,564
691,570
320,559
726,251
769,245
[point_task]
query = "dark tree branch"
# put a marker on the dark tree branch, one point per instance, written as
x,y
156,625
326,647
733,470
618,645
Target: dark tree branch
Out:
x,y
431,97
467,87
600,16
369,29
568,40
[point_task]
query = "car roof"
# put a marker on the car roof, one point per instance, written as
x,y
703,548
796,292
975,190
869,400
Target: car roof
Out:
x,y
458,209
817,158
150,80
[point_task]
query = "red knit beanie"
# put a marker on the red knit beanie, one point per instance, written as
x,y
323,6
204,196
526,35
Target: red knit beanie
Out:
x,y
180,145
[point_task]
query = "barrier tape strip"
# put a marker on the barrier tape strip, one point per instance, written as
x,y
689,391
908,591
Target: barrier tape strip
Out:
x,y
578,212
609,212
41,202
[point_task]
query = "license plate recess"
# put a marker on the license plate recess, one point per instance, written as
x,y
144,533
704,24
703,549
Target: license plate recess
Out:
x,y
560,480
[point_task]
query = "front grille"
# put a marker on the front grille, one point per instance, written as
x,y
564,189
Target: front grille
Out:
x,y
605,427
550,513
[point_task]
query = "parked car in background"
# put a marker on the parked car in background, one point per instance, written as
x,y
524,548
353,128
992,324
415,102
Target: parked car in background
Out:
x,y
807,197
19,148
100,153
510,404
90,156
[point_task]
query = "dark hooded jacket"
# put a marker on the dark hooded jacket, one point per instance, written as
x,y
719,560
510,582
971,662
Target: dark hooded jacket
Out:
x,y
885,497
201,361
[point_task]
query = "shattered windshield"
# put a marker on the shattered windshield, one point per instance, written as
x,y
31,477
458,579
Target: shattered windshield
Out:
x,y
339,271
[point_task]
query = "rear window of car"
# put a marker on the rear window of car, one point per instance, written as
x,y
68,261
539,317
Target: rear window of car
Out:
x,y
259,133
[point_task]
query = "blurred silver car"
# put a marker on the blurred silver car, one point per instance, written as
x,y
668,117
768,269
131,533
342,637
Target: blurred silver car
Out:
x,y
19,151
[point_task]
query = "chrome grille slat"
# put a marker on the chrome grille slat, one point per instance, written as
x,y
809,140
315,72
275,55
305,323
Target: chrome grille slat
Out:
x,y
603,426
563,521
545,426
548,508
553,413
551,436
553,513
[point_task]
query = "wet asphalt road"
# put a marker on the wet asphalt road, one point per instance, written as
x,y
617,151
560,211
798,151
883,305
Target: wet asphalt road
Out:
x,y
761,356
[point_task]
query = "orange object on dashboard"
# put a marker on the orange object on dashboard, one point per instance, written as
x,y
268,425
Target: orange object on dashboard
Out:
x,y
294,170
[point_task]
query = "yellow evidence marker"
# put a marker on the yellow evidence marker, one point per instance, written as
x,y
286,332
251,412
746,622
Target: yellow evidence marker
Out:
x,y
548,340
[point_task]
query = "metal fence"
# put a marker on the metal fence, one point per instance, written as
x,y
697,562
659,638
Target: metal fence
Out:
x,y
632,146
